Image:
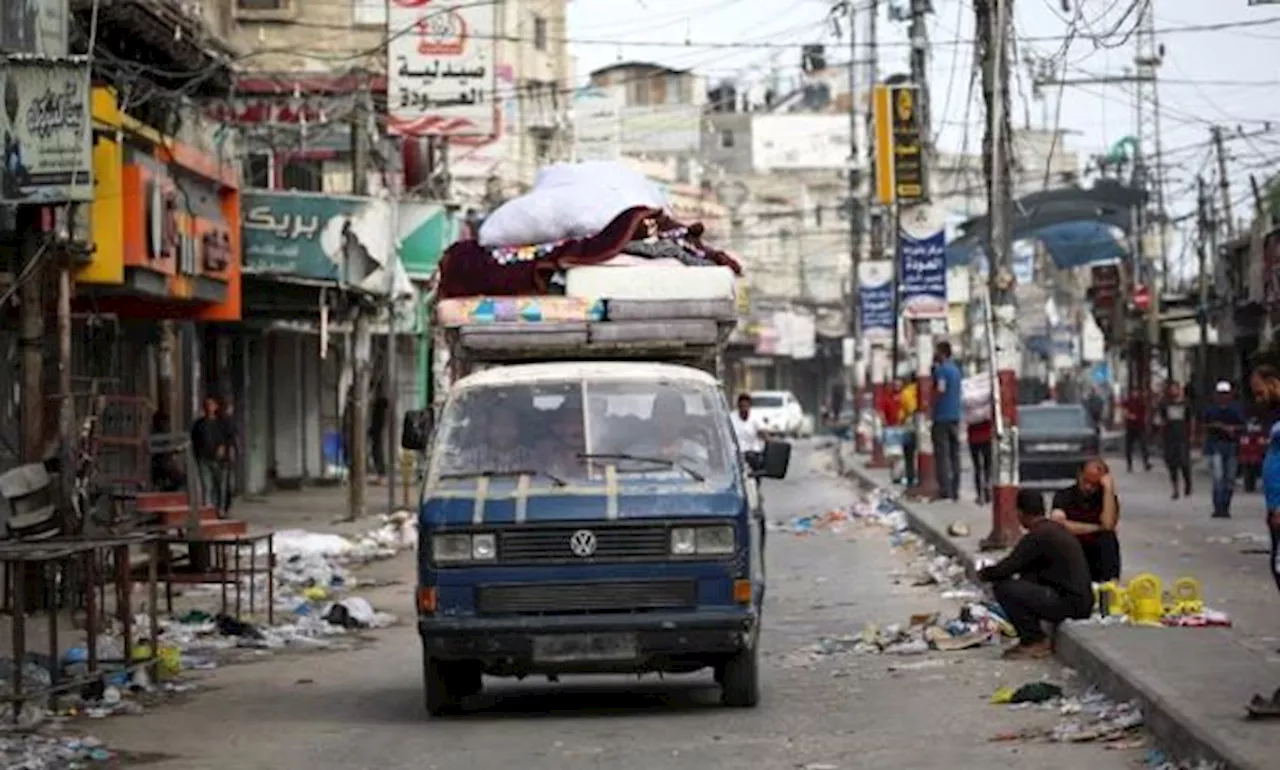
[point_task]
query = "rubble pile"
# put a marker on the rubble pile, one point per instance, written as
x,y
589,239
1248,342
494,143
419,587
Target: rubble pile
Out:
x,y
312,571
1090,717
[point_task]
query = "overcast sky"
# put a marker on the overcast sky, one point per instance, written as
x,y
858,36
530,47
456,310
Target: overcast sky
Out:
x,y
1228,76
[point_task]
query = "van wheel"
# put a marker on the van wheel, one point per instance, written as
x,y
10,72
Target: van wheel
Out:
x,y
440,699
739,678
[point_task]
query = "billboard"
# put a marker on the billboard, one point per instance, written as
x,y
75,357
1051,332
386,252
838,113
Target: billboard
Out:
x,y
799,142
876,312
44,131
441,70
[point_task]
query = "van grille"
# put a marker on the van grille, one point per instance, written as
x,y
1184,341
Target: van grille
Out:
x,y
540,598
613,543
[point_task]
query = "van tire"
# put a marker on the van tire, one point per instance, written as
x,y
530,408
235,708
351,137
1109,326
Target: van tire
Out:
x,y
440,700
739,678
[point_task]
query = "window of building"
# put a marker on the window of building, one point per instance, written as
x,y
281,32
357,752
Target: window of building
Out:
x,y
542,148
257,170
369,13
539,33
304,175
263,5
726,139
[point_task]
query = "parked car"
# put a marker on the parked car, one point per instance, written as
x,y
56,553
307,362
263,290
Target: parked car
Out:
x,y
779,411
1053,441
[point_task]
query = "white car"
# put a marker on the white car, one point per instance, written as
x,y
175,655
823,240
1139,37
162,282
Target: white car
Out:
x,y
779,412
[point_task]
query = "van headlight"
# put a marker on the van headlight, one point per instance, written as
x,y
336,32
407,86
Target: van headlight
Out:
x,y
453,548
703,541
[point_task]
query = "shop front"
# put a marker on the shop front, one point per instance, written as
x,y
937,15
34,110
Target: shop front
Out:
x,y
163,275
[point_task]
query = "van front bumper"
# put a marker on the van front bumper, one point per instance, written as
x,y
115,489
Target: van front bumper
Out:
x,y
662,640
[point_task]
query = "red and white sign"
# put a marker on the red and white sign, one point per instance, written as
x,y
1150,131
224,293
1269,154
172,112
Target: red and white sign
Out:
x,y
1141,297
441,72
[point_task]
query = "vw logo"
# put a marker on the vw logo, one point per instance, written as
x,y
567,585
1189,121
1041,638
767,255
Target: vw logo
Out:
x,y
582,543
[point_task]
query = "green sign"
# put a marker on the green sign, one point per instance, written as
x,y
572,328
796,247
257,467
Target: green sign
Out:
x,y
344,239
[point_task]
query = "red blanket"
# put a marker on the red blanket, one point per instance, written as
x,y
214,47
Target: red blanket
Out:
x,y
469,269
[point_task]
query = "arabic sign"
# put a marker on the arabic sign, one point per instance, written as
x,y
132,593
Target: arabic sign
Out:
x,y
875,301
345,240
924,275
597,123
441,68
47,156
34,27
899,144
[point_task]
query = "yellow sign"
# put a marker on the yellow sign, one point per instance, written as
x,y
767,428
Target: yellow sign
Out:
x,y
899,146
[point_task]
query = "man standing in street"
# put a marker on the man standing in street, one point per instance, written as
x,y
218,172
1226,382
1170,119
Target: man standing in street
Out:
x,y
231,455
1135,427
1044,579
746,427
947,409
1223,424
378,410
1265,383
1174,419
210,448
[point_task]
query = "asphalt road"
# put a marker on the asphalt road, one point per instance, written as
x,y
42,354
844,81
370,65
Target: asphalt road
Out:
x,y
363,708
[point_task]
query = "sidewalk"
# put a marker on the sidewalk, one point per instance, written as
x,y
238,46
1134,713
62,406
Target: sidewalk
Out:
x,y
1193,683
313,508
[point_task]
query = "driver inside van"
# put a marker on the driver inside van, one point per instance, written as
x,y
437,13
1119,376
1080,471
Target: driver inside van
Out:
x,y
499,449
667,430
559,451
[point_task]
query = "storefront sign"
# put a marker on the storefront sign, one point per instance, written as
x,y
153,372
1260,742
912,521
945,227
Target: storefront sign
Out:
x,y
899,144
346,240
924,275
44,140
441,77
425,230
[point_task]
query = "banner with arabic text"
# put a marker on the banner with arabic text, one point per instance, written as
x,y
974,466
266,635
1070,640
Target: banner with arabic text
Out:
x,y
923,264
875,301
441,72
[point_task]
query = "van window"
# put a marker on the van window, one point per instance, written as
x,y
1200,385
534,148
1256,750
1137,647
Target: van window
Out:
x,y
561,432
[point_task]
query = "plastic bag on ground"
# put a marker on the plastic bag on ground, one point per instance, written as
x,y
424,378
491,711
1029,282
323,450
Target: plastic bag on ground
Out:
x,y
569,200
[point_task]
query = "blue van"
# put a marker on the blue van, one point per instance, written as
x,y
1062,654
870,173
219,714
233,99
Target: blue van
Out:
x,y
588,518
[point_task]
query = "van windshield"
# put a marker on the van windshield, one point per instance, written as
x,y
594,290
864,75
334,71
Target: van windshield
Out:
x,y
569,432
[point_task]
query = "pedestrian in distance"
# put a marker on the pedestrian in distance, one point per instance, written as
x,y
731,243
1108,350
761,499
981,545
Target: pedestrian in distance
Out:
x,y
1173,416
379,408
1224,426
1135,428
749,432
210,449
1265,383
1045,579
908,406
1090,510
947,410
980,437
231,456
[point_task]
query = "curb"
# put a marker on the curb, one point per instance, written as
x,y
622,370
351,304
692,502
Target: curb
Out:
x,y
1184,736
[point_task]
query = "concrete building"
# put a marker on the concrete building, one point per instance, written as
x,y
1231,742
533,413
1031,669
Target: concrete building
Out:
x,y
311,60
660,108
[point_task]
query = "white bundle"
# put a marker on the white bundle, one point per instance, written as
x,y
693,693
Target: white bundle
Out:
x,y
975,397
569,200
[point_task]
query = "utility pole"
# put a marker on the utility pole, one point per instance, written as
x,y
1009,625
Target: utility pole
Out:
x,y
31,339
1224,183
926,476
854,212
360,354
1207,243
1150,177
992,24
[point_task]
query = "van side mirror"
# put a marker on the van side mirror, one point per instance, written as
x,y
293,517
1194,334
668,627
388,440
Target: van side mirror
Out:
x,y
416,429
777,457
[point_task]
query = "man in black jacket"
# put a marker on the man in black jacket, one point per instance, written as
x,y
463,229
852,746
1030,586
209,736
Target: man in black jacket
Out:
x,y
1045,578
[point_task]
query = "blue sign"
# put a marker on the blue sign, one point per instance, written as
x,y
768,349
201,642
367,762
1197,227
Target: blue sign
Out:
x,y
924,275
875,305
